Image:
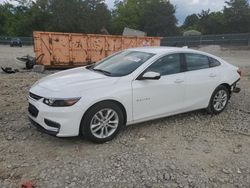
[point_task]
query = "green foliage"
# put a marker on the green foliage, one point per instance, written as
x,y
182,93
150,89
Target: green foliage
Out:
x,y
159,19
88,16
191,22
235,18
237,14
155,17
127,13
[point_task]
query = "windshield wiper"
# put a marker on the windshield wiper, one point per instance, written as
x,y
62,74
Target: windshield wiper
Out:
x,y
102,71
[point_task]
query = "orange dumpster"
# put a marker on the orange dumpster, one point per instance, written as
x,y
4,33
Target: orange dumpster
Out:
x,y
62,50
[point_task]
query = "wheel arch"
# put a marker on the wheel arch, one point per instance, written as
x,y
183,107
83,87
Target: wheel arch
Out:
x,y
228,87
119,104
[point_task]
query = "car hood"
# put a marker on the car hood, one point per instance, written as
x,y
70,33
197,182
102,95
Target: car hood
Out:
x,y
71,83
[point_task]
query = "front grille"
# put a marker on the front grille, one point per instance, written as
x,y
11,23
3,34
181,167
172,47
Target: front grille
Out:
x,y
33,110
34,96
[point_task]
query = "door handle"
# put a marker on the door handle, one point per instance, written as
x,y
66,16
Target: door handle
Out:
x,y
212,75
178,81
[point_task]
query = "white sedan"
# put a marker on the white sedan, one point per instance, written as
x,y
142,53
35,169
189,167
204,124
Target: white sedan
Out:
x,y
129,87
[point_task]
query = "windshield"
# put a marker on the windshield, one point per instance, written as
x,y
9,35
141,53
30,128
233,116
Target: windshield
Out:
x,y
122,64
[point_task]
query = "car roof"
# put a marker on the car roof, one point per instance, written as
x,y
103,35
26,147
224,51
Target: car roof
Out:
x,y
163,49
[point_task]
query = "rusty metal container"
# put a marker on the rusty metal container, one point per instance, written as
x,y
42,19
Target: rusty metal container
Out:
x,y
62,50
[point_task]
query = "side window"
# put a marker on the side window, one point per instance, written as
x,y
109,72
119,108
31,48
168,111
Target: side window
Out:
x,y
214,62
196,61
170,64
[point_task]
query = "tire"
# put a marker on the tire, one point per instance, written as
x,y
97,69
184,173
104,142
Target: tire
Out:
x,y
105,130
219,100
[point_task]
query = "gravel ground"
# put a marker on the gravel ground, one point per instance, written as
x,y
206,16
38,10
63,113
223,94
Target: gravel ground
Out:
x,y
188,150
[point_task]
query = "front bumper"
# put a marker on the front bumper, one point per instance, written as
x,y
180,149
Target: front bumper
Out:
x,y
42,129
56,121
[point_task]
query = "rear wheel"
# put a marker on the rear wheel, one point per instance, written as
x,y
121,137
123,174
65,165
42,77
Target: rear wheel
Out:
x,y
219,100
102,122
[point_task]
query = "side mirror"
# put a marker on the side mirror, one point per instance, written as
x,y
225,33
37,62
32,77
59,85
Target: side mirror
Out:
x,y
151,76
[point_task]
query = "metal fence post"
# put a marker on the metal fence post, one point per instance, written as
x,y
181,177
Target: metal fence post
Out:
x,y
249,39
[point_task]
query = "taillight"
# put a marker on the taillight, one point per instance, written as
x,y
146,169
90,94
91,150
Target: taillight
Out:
x,y
239,72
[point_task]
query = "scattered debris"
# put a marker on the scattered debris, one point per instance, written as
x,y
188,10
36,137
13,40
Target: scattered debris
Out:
x,y
30,61
27,184
9,70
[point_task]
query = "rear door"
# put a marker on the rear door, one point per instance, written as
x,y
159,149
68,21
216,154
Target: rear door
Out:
x,y
202,76
152,98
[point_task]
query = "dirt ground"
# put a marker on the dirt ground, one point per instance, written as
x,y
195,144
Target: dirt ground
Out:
x,y
188,150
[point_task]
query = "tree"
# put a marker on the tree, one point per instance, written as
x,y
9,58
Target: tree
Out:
x,y
156,17
33,16
8,19
191,22
216,23
127,13
237,14
99,15
88,16
159,19
211,22
84,16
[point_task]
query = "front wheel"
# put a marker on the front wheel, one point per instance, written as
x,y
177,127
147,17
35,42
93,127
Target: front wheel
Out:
x,y
102,122
219,100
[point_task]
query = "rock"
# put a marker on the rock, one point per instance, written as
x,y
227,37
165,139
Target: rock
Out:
x,y
39,68
236,150
10,137
172,167
73,184
238,171
189,139
166,176
9,166
226,171
142,139
25,165
207,151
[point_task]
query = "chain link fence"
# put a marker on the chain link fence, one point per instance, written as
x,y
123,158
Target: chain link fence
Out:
x,y
242,39
25,40
223,39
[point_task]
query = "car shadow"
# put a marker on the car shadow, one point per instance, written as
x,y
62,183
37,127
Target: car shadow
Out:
x,y
129,128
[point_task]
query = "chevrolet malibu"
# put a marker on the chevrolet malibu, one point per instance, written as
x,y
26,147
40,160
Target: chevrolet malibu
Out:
x,y
129,87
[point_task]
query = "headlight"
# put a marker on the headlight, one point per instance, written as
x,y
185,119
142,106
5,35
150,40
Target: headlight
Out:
x,y
60,102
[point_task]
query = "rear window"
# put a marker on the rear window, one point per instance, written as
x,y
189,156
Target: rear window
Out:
x,y
214,62
196,61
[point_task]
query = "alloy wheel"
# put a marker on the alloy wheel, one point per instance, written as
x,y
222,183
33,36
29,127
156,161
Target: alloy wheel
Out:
x,y
220,100
104,123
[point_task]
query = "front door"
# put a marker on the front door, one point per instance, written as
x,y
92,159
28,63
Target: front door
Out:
x,y
156,98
